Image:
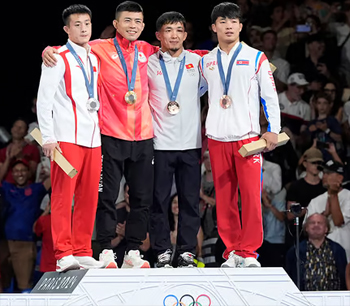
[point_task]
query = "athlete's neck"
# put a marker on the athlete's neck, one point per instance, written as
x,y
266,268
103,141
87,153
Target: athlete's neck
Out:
x,y
227,47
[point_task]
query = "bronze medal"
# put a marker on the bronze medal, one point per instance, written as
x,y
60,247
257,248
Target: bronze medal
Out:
x,y
173,107
225,101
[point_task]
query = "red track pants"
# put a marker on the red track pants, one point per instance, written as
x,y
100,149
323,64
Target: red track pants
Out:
x,y
72,231
243,235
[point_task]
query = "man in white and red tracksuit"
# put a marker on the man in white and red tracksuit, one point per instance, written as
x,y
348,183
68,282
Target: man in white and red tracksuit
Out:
x,y
239,82
67,114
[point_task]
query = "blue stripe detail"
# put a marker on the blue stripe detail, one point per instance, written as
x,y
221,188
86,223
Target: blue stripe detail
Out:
x,y
263,102
257,60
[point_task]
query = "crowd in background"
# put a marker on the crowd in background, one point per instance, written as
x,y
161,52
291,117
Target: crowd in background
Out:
x,y
308,42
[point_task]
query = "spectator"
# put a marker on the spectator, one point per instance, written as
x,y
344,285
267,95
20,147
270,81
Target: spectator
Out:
x,y
269,43
295,112
332,90
273,200
314,7
18,148
21,211
334,204
297,50
322,260
207,195
42,228
283,24
303,190
325,128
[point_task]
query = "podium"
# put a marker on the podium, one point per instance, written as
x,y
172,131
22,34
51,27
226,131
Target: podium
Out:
x,y
167,287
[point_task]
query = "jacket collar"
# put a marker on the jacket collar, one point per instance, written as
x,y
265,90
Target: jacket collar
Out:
x,y
124,43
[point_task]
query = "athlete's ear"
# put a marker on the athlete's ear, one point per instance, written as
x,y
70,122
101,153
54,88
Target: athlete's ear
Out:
x,y
66,29
158,35
213,27
115,23
240,26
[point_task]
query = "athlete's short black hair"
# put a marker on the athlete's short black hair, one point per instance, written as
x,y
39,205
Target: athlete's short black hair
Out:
x,y
170,18
128,6
75,9
226,10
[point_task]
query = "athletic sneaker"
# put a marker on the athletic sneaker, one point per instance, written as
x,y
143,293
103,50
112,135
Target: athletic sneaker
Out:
x,y
87,262
164,259
251,262
134,260
67,263
185,260
233,261
107,257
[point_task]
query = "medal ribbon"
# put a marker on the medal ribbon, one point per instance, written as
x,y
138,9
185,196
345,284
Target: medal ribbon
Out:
x,y
89,85
226,82
172,93
131,84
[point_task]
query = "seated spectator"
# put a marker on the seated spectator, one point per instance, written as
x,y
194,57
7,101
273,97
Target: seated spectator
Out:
x,y
303,190
332,90
18,148
322,260
269,43
42,229
325,128
119,242
22,209
271,253
334,204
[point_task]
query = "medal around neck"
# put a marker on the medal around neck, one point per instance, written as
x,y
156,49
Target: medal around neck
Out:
x,y
130,97
225,101
93,105
173,107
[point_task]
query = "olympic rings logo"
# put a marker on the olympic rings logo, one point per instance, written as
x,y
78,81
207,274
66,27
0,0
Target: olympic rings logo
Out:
x,y
186,298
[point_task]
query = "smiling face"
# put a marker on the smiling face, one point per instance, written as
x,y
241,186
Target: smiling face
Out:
x,y
20,174
129,25
227,30
79,29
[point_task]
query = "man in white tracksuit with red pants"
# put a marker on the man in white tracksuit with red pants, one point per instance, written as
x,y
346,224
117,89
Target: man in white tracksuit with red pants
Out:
x,y
239,82
67,114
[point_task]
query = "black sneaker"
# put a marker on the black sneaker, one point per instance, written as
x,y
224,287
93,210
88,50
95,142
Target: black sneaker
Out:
x,y
164,259
185,260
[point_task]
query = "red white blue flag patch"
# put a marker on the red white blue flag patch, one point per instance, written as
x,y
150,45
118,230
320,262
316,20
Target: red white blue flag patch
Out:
x,y
242,62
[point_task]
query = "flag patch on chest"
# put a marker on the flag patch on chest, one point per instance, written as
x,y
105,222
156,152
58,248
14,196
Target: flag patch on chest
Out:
x,y
242,62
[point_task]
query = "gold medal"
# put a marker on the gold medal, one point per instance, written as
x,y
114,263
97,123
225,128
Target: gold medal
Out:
x,y
173,107
130,97
225,101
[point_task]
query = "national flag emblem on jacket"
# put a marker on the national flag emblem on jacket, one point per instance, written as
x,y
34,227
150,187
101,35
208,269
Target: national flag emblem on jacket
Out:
x,y
189,66
242,62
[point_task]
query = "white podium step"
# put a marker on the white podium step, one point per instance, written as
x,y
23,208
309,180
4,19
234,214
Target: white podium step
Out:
x,y
165,287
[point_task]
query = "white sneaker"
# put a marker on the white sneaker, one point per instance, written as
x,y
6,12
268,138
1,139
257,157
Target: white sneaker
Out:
x,y
134,260
108,258
67,263
87,262
233,261
251,262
